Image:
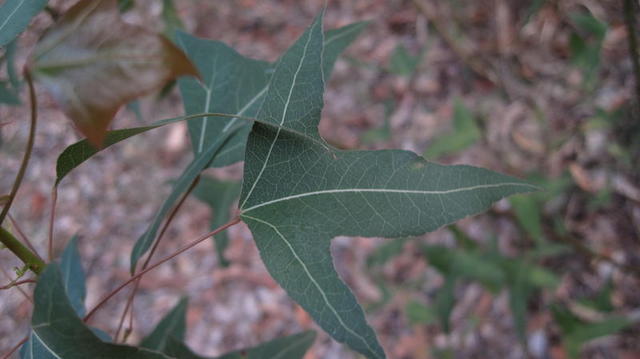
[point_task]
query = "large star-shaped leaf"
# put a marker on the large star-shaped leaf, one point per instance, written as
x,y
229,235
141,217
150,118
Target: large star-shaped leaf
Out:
x,y
299,193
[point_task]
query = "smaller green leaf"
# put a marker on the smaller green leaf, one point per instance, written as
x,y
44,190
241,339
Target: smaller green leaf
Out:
x,y
402,62
445,301
15,16
74,277
336,41
465,133
418,313
589,331
62,333
527,211
172,325
290,347
219,195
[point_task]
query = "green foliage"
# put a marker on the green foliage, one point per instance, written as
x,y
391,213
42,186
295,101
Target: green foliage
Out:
x,y
465,133
402,63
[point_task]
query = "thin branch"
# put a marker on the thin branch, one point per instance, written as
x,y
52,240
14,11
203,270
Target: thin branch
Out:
x,y
52,217
163,260
22,236
17,283
26,296
156,243
24,340
27,154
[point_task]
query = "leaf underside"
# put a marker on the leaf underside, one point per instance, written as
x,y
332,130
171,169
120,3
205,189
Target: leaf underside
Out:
x,y
299,193
91,45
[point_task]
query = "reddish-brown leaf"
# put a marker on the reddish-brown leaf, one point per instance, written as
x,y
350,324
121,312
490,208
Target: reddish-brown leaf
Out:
x,y
93,63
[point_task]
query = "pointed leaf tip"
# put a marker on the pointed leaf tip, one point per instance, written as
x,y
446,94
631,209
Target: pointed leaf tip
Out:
x,y
92,62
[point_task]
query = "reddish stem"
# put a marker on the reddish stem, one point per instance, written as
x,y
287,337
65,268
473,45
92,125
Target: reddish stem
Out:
x,y
163,260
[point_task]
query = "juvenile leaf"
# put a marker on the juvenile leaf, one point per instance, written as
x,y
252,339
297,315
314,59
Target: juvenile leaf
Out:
x,y
15,16
62,333
298,193
219,195
172,325
290,347
465,133
236,84
73,276
91,45
402,62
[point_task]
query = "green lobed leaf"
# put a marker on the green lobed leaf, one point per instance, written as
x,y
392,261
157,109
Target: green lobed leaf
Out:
x,y
402,62
15,16
62,333
74,285
298,193
236,84
173,325
290,347
89,45
219,195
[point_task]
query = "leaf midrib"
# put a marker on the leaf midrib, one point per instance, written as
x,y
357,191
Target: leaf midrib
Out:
x,y
384,190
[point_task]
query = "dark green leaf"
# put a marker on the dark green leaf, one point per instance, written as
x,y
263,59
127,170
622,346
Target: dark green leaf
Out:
x,y
62,332
7,94
291,347
172,325
91,45
15,16
73,275
298,193
219,195
236,84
